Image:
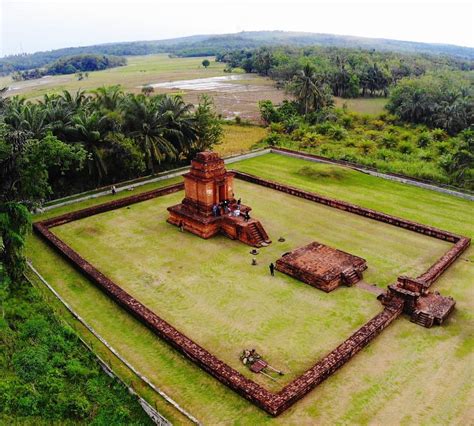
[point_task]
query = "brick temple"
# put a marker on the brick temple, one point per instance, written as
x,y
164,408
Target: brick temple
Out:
x,y
424,307
209,206
321,266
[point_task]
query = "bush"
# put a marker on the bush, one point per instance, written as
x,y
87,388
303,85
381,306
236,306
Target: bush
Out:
x,y
405,147
389,141
274,139
439,135
277,128
309,140
377,124
424,139
333,131
367,147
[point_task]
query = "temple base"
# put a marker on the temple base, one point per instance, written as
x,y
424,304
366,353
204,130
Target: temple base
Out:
x,y
250,232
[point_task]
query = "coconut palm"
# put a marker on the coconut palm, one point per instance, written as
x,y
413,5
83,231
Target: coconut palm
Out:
x,y
89,130
179,126
26,118
310,90
144,122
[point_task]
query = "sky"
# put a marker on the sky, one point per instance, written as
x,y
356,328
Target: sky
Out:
x,y
32,25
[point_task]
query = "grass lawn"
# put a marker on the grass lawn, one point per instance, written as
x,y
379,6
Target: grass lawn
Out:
x,y
239,139
407,375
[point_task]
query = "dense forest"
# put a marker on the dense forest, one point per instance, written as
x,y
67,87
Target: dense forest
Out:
x,y
72,65
210,45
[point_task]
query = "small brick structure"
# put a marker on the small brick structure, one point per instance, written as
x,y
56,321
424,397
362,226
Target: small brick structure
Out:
x,y
207,186
321,266
395,301
424,307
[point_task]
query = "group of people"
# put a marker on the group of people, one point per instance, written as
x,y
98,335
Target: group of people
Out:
x,y
227,208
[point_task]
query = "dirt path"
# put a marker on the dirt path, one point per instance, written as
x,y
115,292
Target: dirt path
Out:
x,y
371,288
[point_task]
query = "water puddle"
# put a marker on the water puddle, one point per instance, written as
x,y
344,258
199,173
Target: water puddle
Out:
x,y
215,84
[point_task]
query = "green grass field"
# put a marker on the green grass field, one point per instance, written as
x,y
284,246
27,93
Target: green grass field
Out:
x,y
363,105
140,70
407,375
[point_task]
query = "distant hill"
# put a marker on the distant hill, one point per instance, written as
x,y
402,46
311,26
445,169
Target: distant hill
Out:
x,y
202,45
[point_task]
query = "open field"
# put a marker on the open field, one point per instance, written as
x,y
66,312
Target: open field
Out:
x,y
233,94
363,105
239,139
402,377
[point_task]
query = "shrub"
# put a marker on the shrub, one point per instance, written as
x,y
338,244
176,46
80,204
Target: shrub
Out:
x,y
238,120
367,147
439,135
424,139
388,141
443,148
309,140
405,147
377,124
273,139
347,121
337,132
277,128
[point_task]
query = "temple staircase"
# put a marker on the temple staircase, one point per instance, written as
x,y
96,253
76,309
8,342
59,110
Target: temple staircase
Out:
x,y
422,318
256,235
350,277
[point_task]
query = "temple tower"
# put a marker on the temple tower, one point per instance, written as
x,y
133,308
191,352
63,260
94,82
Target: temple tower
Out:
x,y
209,206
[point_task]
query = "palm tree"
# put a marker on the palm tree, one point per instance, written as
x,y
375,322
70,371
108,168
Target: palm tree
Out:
x,y
178,124
26,118
108,97
3,100
89,131
310,90
144,122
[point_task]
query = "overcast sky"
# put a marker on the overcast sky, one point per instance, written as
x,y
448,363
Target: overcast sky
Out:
x,y
33,25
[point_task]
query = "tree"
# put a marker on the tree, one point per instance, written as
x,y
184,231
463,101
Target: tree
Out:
x,y
438,100
144,123
208,128
24,182
310,90
89,130
205,63
148,90
460,164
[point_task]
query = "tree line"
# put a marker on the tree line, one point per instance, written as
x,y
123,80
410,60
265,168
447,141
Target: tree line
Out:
x,y
350,73
72,65
210,45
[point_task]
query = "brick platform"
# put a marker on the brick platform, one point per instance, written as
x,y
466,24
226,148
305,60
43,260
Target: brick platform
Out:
x,y
321,266
273,403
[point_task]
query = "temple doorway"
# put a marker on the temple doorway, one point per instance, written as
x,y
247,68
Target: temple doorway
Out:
x,y
222,193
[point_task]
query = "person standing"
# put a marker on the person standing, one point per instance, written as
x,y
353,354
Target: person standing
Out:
x,y
272,269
